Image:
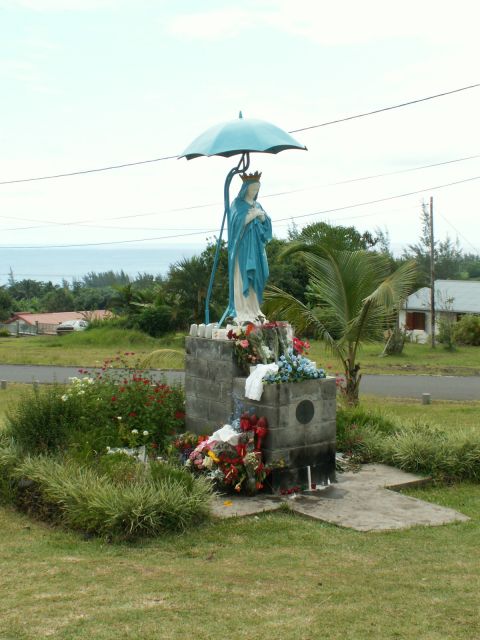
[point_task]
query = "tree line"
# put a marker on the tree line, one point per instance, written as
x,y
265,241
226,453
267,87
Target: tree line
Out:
x,y
160,303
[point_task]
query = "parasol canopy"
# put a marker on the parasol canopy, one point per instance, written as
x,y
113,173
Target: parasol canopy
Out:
x,y
242,135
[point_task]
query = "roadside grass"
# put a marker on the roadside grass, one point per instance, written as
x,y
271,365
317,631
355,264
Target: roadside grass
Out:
x,y
10,396
451,416
88,348
276,575
415,359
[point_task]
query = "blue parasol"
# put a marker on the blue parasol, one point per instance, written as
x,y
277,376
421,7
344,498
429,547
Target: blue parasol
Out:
x,y
241,136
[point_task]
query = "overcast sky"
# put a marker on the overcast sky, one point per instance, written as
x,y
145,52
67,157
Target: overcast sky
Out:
x,y
90,83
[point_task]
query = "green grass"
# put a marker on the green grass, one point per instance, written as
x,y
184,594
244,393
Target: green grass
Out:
x,y
415,359
9,397
89,348
275,576
451,416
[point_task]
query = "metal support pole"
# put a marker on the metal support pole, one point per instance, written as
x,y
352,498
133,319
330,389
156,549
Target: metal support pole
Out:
x,y
432,275
240,168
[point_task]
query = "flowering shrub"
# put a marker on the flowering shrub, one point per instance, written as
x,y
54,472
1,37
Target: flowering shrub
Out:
x,y
143,410
293,368
231,457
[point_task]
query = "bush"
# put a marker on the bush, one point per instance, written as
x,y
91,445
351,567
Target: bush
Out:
x,y
446,337
119,406
156,321
467,330
5,333
414,446
41,421
84,499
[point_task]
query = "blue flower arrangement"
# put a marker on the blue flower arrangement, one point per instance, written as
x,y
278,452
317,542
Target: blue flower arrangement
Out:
x,y
293,368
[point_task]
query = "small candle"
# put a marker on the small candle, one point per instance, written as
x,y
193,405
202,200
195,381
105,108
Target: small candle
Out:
x,y
309,478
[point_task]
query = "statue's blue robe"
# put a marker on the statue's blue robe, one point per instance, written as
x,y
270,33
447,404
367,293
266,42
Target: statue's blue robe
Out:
x,y
248,244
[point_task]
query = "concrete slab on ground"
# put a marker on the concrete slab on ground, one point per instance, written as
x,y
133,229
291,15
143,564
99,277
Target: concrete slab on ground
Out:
x,y
363,500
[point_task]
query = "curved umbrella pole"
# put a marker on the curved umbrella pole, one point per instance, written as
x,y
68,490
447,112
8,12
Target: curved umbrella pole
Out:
x,y
240,168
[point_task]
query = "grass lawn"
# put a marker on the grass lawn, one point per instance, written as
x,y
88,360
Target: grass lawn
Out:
x,y
275,576
416,359
450,415
10,396
89,348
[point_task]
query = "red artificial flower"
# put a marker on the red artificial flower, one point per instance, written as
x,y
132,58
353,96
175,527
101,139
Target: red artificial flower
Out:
x,y
114,398
179,415
245,424
250,328
253,420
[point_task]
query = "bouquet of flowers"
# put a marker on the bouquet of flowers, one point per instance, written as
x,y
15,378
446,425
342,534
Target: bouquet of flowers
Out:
x,y
233,457
293,367
185,443
260,343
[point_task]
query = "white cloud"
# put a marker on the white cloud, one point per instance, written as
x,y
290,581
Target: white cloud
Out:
x,y
60,5
210,25
346,22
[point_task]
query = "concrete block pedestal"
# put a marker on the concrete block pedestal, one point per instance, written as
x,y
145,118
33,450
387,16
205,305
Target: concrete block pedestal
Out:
x,y
301,416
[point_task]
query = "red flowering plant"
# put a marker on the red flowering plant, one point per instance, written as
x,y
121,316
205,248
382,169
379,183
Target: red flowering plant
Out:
x,y
127,406
233,458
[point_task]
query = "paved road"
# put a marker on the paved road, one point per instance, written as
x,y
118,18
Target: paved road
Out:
x,y
400,386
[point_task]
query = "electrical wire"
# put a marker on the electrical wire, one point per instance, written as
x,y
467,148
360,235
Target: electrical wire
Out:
x,y
313,126
396,106
84,223
296,217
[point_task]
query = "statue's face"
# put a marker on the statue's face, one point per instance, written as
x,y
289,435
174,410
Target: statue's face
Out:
x,y
252,190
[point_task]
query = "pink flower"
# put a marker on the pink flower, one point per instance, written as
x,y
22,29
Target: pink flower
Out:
x,y
244,344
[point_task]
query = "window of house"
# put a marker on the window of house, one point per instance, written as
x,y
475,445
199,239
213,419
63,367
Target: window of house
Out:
x,y
415,320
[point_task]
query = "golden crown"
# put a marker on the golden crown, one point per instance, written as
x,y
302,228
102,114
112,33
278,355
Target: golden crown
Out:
x,y
251,177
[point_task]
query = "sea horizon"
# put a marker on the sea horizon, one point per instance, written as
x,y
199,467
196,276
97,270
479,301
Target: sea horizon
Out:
x,y
72,264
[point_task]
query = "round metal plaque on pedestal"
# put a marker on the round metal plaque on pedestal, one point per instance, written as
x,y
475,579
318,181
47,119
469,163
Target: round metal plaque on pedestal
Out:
x,y
305,411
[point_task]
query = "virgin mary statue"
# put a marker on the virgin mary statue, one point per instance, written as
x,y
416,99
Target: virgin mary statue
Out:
x,y
249,229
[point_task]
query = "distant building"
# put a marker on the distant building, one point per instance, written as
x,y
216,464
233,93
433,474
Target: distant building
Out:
x,y
34,323
453,299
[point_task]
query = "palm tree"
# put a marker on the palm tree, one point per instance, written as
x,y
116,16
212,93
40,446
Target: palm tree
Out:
x,y
350,293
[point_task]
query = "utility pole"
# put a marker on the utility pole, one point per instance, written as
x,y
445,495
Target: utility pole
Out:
x,y
432,274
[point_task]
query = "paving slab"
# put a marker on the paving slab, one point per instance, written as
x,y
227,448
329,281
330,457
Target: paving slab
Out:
x,y
363,500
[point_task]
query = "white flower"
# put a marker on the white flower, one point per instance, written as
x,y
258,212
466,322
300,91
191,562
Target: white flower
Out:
x,y
81,392
145,433
118,417
65,398
108,448
135,431
207,462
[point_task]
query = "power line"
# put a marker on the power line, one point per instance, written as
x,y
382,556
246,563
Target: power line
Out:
x,y
395,106
459,233
211,204
296,217
400,195
314,126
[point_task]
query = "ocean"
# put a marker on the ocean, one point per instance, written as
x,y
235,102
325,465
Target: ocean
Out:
x,y
71,264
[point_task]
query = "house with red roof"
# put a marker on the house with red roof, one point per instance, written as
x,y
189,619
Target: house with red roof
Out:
x,y
26,322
